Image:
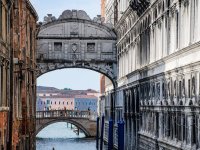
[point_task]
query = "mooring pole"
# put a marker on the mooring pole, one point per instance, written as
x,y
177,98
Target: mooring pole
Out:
x,y
121,135
102,130
97,136
110,135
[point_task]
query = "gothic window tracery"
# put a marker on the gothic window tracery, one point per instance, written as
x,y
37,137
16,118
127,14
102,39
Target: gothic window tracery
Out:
x,y
175,94
158,91
193,86
168,89
189,88
163,89
183,88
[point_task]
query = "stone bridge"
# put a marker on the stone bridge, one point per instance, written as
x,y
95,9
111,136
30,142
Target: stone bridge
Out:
x,y
76,41
84,120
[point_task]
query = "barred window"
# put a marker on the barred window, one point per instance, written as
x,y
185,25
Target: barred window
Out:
x,y
57,46
90,47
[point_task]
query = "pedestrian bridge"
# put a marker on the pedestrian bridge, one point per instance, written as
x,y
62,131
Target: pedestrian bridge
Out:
x,y
84,120
75,41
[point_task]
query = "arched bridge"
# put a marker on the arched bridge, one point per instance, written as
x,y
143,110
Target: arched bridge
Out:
x,y
75,41
83,120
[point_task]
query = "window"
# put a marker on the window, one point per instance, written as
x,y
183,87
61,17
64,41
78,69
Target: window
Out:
x,y
180,89
90,47
189,86
57,46
63,103
67,103
55,102
194,129
71,103
31,43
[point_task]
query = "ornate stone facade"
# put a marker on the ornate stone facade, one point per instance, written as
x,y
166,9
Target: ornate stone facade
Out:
x,y
158,73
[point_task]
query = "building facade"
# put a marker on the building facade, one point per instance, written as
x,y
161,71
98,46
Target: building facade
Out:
x,y
23,79
4,74
64,102
46,103
85,103
158,73
55,99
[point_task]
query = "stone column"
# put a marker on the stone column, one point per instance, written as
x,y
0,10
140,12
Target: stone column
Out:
x,y
161,125
189,128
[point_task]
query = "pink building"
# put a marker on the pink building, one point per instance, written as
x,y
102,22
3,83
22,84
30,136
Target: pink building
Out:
x,y
55,103
54,99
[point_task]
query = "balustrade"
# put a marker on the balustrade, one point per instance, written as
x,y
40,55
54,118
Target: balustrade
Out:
x,y
66,113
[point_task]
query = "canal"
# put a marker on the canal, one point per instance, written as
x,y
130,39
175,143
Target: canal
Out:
x,y
60,136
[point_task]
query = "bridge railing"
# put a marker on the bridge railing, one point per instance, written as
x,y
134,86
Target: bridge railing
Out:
x,y
66,113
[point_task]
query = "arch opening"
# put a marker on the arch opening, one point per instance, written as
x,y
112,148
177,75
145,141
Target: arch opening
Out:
x,y
61,129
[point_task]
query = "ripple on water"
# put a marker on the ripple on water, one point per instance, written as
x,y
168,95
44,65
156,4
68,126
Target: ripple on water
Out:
x,y
61,137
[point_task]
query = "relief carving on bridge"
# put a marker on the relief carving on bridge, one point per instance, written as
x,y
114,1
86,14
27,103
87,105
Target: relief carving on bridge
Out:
x,y
101,68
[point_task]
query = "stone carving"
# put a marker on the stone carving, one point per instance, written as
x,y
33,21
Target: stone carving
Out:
x,y
77,14
153,90
158,91
49,18
66,14
105,69
74,29
82,15
74,47
99,19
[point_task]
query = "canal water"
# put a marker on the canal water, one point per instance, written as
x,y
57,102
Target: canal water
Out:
x,y
61,137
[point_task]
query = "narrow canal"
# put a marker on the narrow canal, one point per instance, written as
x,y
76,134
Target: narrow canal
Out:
x,y
60,136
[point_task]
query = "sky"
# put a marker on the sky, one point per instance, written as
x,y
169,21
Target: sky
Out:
x,y
56,7
68,78
77,79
